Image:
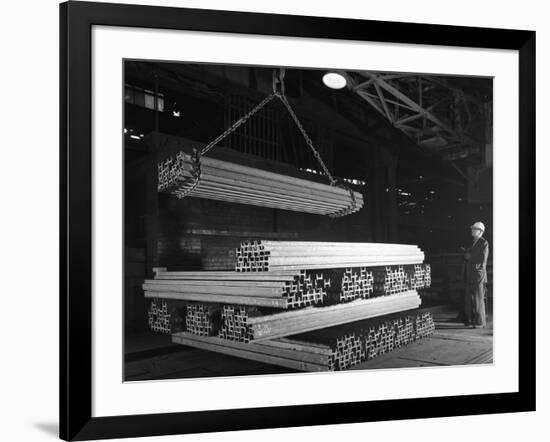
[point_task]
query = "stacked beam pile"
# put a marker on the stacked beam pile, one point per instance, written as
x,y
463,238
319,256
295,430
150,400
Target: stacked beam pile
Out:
x,y
288,289
332,349
281,289
284,290
306,289
225,181
264,256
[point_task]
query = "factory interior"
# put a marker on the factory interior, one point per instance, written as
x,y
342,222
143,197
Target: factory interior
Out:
x,y
352,191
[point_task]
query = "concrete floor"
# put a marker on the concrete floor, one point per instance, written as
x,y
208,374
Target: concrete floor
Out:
x,y
151,356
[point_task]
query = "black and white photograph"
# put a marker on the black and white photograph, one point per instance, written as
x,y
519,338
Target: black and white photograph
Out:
x,y
277,221
283,220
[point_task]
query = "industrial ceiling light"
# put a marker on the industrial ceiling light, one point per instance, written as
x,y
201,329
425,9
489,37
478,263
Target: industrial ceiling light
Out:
x,y
334,80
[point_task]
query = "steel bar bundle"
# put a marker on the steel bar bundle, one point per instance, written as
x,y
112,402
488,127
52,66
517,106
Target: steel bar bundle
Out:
x,y
337,348
262,256
388,335
345,342
166,317
421,276
424,325
202,319
395,279
159,318
390,280
255,327
284,290
285,354
235,322
366,282
349,284
225,181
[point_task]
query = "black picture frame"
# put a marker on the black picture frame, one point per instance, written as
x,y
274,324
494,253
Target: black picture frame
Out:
x,y
76,21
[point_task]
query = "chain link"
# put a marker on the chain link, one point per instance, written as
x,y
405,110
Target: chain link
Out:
x,y
316,154
333,181
237,124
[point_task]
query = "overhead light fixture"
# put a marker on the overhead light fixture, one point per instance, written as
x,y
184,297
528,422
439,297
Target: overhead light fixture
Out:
x,y
334,80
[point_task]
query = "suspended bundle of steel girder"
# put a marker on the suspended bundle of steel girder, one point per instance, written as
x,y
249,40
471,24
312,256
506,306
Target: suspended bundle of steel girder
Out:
x,y
261,256
215,179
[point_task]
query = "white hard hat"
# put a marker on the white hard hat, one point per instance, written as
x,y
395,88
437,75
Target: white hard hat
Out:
x,y
479,225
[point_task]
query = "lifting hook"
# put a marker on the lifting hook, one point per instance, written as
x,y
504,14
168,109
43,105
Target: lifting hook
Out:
x,y
279,81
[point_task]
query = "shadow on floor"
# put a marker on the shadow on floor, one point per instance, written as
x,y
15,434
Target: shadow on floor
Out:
x,y
49,428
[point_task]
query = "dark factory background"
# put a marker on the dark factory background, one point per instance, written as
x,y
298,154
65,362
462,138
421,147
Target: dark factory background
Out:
x,y
420,186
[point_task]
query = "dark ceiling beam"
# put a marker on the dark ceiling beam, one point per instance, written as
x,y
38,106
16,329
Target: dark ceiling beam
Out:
x,y
328,108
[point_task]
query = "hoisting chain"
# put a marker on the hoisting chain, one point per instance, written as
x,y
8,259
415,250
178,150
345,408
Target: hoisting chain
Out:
x,y
333,181
316,154
237,124
279,91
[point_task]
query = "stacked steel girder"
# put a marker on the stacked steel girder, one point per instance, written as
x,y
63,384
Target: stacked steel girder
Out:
x,y
283,289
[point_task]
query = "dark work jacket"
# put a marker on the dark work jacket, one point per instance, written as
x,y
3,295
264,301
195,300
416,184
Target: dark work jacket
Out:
x,y
476,266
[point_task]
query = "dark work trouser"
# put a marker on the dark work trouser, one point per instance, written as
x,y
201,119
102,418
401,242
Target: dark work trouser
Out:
x,y
474,304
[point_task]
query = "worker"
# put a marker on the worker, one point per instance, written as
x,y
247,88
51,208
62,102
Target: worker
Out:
x,y
476,278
